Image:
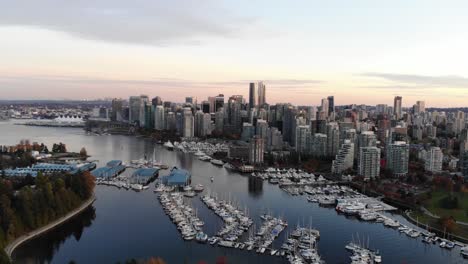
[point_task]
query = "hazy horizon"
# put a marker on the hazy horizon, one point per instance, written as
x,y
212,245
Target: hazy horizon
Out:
x,y
364,52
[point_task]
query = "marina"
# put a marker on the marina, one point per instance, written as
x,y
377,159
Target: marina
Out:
x,y
116,210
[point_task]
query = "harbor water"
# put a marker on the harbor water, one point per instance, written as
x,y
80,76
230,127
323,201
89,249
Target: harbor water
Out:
x,y
123,224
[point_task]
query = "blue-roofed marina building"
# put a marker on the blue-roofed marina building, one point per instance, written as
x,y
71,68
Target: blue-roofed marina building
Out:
x,y
145,175
48,168
178,178
113,169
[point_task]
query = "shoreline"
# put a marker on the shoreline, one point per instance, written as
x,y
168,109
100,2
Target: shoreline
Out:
x,y
10,248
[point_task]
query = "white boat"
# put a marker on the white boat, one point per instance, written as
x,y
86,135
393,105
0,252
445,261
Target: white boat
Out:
x,y
136,187
199,188
169,145
204,158
190,194
187,188
217,162
199,153
464,252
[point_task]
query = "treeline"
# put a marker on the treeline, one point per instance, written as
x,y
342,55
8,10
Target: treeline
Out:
x,y
23,210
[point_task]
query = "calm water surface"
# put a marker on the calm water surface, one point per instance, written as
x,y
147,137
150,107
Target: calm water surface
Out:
x,y
126,224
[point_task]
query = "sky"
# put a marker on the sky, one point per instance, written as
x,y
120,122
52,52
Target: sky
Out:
x,y
360,51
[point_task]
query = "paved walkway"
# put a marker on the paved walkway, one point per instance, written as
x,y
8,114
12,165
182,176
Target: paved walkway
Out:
x,y
427,212
14,244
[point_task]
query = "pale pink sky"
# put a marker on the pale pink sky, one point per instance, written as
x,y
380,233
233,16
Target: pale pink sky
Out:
x,y
303,50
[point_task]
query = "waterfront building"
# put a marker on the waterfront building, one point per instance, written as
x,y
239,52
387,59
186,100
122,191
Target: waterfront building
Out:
x,y
188,123
207,125
219,121
177,177
144,175
233,118
319,145
369,162
116,110
333,138
275,139
302,139
261,129
433,160
144,115
288,118
364,140
239,150
198,125
397,107
344,159
136,106
248,131
398,157
298,121
171,121
159,120
179,123
256,150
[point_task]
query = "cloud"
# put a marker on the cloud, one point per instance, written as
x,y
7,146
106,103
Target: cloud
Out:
x,y
409,81
154,22
279,83
79,86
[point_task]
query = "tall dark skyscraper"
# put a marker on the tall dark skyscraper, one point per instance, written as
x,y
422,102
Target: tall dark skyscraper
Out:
x,y
261,94
331,104
252,95
156,101
116,113
397,107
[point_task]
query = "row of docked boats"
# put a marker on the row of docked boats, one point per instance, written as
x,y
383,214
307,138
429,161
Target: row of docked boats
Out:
x,y
362,255
236,221
301,246
291,177
184,216
193,147
270,229
121,184
188,190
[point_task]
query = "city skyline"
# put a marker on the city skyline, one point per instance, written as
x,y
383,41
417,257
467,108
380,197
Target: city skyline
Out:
x,y
363,55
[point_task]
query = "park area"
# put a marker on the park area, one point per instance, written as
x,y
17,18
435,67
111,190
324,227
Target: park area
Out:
x,y
442,203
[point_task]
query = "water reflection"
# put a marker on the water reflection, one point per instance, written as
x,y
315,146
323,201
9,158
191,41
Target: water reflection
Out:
x,y
43,248
255,186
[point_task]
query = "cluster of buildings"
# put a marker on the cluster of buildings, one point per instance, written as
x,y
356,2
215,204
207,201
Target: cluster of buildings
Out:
x,y
361,138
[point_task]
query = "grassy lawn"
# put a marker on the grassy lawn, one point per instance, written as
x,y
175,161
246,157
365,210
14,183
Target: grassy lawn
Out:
x,y
422,218
460,214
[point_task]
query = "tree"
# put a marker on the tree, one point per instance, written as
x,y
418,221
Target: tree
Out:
x,y
83,153
447,223
155,261
4,259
